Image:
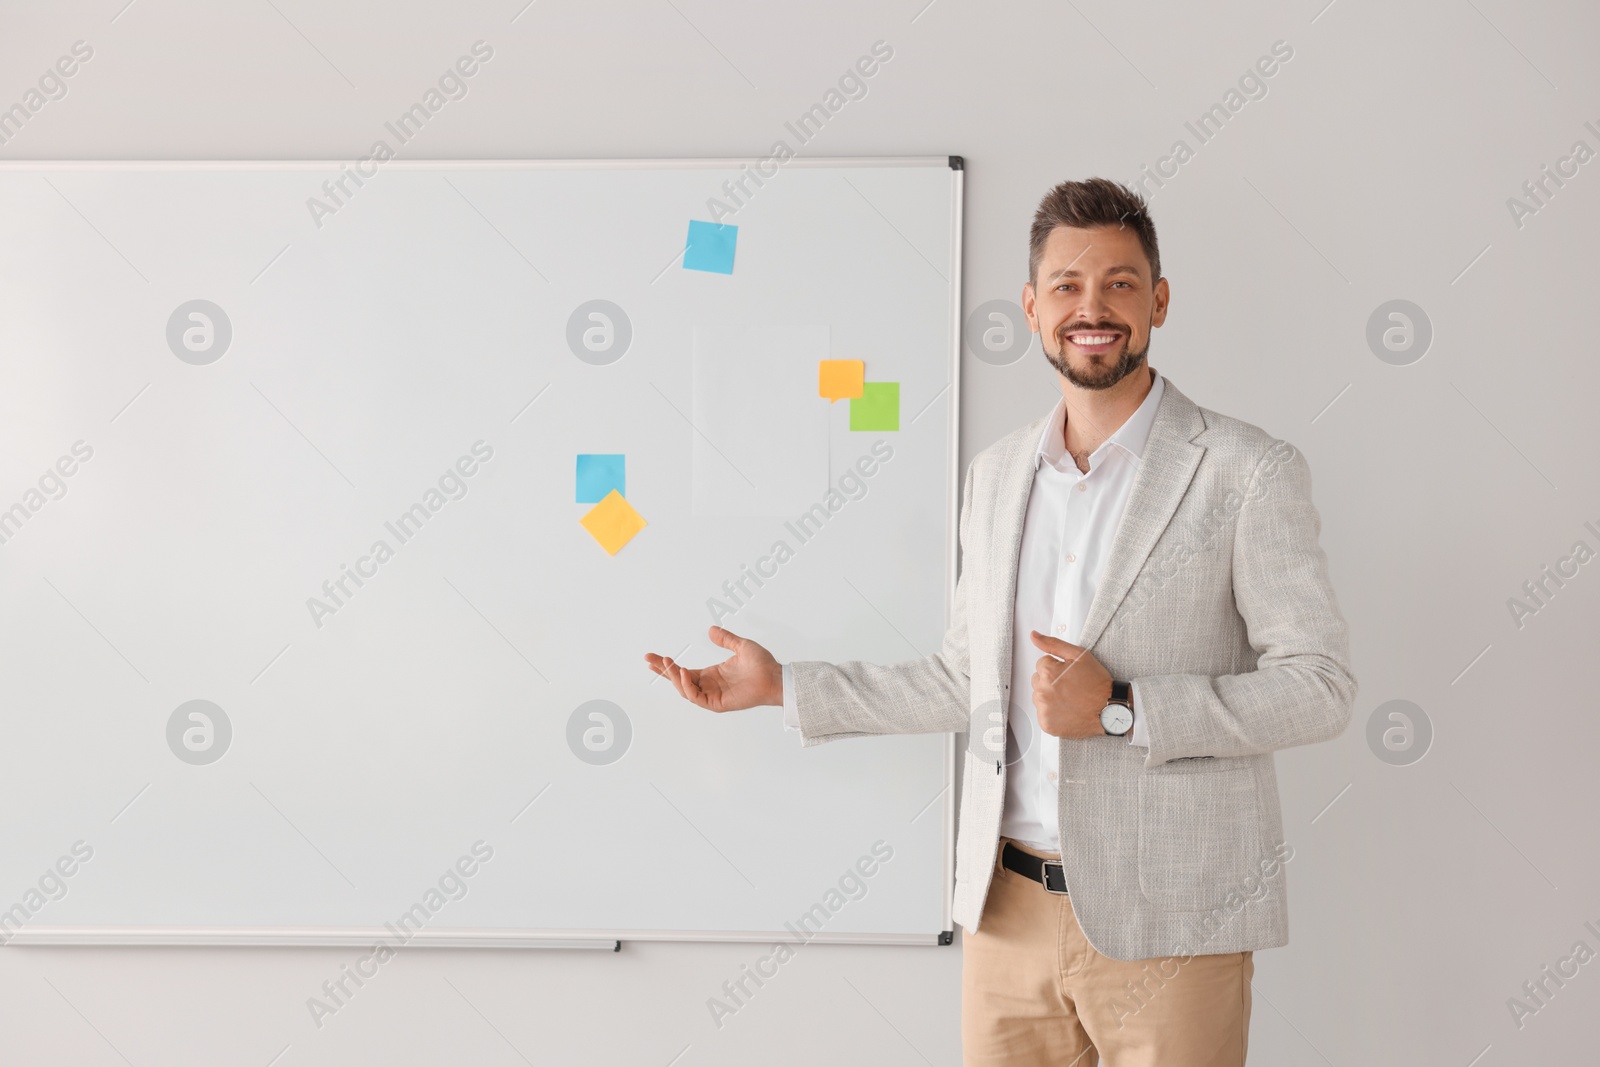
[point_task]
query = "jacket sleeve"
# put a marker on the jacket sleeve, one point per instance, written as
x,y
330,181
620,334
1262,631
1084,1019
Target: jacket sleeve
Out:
x,y
1302,688
859,699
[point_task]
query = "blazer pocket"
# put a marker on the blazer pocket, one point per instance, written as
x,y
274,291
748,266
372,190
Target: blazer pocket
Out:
x,y
1199,837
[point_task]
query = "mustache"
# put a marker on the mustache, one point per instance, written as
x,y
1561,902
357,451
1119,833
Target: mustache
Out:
x,y
1091,327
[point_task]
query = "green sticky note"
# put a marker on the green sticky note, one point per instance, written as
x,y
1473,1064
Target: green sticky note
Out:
x,y
877,408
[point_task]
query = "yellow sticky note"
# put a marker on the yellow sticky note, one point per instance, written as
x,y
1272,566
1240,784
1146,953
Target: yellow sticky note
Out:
x,y
841,379
613,522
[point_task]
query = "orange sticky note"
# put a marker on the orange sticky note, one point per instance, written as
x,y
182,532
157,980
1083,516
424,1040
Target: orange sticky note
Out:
x,y
613,522
841,379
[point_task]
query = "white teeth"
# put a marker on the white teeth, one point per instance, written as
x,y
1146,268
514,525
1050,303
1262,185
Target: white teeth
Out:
x,y
1093,338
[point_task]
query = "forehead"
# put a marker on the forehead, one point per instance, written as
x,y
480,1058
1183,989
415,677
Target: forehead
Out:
x,y
1091,251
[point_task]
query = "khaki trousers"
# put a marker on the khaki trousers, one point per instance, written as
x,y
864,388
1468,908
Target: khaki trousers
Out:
x,y
1034,992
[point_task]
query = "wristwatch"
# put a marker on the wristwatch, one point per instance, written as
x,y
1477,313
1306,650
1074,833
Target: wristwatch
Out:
x,y
1116,718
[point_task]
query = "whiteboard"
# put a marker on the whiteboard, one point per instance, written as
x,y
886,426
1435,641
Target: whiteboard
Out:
x,y
332,538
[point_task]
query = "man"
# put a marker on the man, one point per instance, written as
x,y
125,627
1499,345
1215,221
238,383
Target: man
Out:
x,y
1129,861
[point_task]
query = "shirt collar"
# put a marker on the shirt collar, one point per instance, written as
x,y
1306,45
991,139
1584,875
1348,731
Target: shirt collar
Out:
x,y
1131,436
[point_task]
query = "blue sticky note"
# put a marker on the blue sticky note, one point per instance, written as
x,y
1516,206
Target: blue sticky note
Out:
x,y
710,246
598,474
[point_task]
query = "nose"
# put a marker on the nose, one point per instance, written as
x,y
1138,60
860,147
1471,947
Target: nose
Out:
x,y
1091,306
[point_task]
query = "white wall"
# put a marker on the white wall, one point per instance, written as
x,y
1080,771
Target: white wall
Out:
x,y
1377,166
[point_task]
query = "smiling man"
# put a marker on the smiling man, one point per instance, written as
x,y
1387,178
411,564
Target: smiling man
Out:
x,y
1145,612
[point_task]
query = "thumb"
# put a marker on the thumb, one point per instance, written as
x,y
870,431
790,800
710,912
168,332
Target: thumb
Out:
x,y
726,638
1054,645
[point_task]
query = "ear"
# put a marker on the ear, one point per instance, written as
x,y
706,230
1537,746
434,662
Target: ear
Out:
x,y
1158,314
1029,307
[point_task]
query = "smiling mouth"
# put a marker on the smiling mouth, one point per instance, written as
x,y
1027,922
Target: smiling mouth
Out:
x,y
1094,339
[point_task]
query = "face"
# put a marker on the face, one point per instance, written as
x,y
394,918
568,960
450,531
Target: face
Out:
x,y
1094,304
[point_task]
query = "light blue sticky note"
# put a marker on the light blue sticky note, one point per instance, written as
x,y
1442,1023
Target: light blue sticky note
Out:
x,y
710,246
598,474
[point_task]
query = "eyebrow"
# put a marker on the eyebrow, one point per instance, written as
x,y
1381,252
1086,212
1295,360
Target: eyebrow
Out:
x,y
1070,273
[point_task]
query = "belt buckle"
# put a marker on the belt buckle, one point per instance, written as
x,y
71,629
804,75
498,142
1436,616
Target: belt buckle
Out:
x,y
1061,878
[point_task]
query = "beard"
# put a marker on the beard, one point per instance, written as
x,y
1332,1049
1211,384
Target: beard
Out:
x,y
1103,371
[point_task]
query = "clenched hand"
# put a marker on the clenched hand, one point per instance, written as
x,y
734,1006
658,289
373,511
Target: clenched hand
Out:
x,y
1070,687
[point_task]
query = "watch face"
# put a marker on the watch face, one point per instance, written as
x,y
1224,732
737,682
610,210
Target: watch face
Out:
x,y
1116,719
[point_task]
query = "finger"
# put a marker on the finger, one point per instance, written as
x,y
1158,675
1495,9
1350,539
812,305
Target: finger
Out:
x,y
696,692
726,638
680,678
1064,649
1039,640
1053,675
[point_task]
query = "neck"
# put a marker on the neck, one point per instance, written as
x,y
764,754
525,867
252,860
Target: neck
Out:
x,y
1095,414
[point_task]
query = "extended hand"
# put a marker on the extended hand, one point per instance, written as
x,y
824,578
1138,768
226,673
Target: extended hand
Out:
x,y
1070,691
749,678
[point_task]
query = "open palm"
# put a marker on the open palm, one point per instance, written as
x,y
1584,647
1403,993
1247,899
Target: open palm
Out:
x,y
748,678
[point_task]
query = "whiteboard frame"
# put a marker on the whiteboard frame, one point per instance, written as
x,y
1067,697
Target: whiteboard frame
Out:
x,y
606,940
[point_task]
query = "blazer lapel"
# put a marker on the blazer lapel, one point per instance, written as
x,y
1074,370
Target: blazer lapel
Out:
x,y
1165,470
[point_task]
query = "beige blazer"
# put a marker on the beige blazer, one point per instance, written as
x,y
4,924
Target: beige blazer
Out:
x,y
1215,597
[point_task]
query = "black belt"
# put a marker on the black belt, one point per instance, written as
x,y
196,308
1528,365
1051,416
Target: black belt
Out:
x,y
1047,873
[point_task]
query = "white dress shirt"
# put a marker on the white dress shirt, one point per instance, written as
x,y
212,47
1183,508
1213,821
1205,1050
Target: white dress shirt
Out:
x,y
1071,524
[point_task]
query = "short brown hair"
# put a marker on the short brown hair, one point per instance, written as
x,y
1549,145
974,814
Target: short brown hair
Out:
x,y
1090,203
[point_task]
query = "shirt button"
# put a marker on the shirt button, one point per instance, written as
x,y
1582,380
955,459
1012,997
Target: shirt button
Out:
x,y
1050,775
1071,558
1061,629
1082,487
